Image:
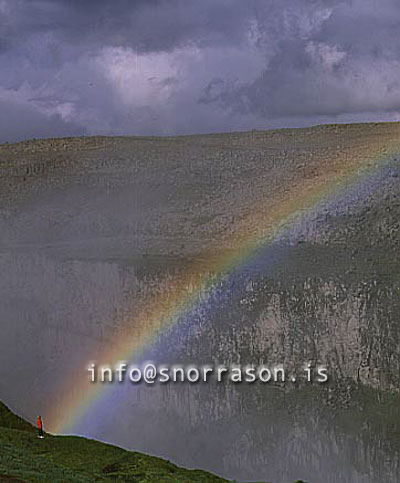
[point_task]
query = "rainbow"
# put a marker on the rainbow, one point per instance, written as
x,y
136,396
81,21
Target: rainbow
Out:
x,y
156,315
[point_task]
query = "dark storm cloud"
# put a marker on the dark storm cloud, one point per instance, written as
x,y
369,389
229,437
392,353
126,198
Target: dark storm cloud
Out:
x,y
177,66
29,123
349,64
146,25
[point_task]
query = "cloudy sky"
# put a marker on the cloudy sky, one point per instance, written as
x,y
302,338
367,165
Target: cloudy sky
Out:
x,y
83,67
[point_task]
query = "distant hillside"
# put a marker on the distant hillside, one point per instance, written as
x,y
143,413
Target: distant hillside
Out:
x,y
181,197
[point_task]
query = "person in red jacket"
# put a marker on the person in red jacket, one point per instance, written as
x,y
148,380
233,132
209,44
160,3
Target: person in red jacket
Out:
x,y
40,427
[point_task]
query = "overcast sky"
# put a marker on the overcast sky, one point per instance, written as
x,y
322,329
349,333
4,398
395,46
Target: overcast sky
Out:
x,y
84,67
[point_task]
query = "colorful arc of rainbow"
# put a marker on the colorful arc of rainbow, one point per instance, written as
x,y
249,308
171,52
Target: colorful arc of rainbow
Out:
x,y
157,316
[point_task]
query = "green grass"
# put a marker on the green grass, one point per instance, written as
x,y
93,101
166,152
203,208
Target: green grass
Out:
x,y
25,457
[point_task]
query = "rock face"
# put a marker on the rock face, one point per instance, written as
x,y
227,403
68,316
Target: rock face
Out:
x,y
94,231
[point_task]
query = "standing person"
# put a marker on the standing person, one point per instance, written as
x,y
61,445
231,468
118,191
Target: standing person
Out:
x,y
40,427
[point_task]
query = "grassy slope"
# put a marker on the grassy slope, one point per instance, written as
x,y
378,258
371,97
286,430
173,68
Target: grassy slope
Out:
x,y
24,457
